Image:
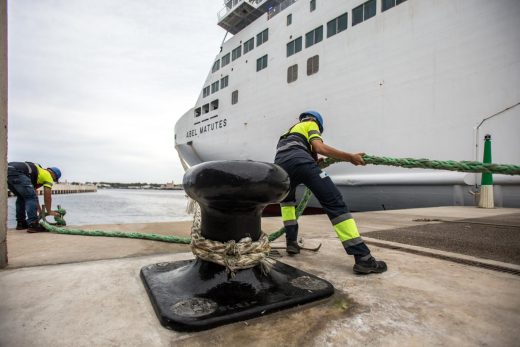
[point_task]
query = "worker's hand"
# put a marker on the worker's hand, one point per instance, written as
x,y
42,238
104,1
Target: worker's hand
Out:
x,y
357,159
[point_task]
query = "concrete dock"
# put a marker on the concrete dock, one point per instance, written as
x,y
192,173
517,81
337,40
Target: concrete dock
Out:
x,y
62,290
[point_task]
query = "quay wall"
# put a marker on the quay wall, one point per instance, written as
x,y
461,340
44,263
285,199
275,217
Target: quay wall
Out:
x,y
66,188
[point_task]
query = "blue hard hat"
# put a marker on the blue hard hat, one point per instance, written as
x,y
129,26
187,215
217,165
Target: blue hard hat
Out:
x,y
315,115
56,172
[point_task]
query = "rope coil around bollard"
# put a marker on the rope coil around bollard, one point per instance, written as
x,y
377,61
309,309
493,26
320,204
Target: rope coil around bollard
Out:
x,y
461,166
234,256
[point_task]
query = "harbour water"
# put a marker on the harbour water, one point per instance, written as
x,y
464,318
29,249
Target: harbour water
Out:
x,y
111,206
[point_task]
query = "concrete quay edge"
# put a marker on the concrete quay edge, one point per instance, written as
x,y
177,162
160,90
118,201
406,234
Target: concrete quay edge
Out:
x,y
455,257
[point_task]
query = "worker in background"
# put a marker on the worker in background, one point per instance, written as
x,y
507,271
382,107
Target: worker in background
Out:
x,y
296,153
23,178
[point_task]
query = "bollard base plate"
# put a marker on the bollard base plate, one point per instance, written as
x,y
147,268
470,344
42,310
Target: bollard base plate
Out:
x,y
196,295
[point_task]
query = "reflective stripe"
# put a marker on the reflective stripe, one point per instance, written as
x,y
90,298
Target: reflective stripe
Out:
x,y
352,242
346,230
289,223
314,132
340,218
290,145
288,213
29,169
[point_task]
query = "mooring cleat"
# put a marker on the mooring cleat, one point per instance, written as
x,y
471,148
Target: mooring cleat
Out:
x,y
200,294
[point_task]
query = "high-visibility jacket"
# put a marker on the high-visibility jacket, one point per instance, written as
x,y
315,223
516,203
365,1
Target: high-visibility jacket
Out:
x,y
298,141
38,175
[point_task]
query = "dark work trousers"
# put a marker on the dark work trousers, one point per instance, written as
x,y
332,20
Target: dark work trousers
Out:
x,y
308,172
26,199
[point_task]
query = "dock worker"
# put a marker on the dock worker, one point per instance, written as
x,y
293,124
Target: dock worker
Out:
x,y
23,179
297,153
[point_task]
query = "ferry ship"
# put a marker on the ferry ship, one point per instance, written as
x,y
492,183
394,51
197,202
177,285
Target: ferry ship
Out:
x,y
397,78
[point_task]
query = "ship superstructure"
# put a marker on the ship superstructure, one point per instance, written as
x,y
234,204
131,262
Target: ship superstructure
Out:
x,y
398,78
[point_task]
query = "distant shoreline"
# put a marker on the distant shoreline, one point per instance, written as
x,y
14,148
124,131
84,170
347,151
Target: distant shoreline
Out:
x,y
77,189
141,188
137,185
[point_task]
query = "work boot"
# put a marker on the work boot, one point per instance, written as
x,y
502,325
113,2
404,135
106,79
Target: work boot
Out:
x,y
21,225
36,228
370,265
292,247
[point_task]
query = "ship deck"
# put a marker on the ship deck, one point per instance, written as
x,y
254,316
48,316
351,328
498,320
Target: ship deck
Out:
x,y
63,290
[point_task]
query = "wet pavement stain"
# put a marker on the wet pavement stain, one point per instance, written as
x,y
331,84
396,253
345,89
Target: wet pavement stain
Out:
x,y
297,326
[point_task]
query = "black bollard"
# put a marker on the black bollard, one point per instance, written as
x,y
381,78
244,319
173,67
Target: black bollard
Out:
x,y
198,294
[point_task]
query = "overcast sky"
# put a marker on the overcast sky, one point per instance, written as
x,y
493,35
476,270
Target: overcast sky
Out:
x,y
96,86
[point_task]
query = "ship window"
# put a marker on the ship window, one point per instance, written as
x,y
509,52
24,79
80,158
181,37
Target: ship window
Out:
x,y
214,105
364,12
313,5
261,63
388,4
225,60
314,36
262,37
357,15
214,87
289,19
249,45
224,81
236,53
294,46
292,73
234,97
369,9
205,108
205,92
197,112
216,66
337,25
313,65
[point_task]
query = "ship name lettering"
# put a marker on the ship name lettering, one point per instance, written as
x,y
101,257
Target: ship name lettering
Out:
x,y
191,133
213,126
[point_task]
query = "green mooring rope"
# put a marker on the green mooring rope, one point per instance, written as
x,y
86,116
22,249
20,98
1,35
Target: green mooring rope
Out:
x,y
451,165
59,223
462,166
153,237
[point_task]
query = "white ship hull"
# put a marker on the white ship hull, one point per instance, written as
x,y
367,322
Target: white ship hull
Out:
x,y
417,80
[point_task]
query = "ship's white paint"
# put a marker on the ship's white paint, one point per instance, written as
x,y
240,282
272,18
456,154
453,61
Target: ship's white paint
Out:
x,y
413,81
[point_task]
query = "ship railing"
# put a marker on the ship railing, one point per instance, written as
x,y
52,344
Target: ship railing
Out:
x,y
273,11
229,5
